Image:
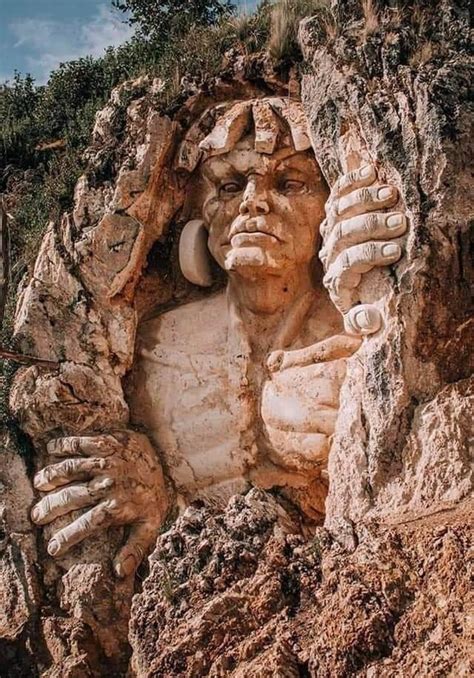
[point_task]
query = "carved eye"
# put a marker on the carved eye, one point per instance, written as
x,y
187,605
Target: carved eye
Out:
x,y
292,186
230,188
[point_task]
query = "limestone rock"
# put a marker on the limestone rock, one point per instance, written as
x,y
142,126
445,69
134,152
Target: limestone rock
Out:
x,y
369,99
247,590
19,585
243,594
217,591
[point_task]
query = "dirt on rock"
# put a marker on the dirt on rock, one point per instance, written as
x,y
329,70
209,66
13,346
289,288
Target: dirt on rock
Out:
x,y
243,593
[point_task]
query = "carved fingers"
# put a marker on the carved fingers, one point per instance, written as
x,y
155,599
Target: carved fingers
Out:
x,y
66,472
99,517
357,230
117,477
69,499
356,238
345,272
131,555
83,446
334,348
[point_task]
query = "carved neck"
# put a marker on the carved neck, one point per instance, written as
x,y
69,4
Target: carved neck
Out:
x,y
272,294
264,303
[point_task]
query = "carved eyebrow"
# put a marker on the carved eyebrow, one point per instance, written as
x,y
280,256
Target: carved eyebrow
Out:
x,y
228,167
219,164
293,155
253,172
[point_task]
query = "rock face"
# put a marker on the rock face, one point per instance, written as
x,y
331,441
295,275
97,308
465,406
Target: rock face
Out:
x,y
253,589
19,582
244,594
376,93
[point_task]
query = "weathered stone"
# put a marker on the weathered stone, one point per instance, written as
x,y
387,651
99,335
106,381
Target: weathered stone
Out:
x,y
267,127
401,411
261,600
19,586
254,589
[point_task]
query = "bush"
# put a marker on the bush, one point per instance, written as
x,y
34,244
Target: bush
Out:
x,y
163,19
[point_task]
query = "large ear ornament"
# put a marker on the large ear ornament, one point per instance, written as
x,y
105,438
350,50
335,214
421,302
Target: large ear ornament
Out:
x,y
194,257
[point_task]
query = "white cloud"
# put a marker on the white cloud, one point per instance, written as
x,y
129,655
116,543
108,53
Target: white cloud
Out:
x,y
48,43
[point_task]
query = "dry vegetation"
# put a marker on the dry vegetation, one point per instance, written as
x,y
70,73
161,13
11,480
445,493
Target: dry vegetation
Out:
x,y
286,16
371,16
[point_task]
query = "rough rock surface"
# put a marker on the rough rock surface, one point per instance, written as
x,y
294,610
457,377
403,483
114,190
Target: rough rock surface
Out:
x,y
244,594
383,590
19,584
98,271
393,89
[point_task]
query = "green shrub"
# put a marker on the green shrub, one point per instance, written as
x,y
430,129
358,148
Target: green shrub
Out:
x,y
167,19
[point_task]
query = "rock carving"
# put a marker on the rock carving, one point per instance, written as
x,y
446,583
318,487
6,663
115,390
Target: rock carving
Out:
x,y
240,386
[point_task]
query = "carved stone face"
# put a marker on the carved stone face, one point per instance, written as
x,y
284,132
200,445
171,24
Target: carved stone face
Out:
x,y
263,211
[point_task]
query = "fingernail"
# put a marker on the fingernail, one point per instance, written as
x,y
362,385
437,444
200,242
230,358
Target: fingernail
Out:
x,y
395,220
35,514
53,547
102,483
362,320
385,193
51,446
126,567
390,250
366,171
367,320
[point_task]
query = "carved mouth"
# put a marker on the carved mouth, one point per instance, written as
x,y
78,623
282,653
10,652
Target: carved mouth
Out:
x,y
252,230
252,237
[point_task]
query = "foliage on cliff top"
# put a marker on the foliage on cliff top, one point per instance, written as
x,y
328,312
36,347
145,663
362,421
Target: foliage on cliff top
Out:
x,y
171,18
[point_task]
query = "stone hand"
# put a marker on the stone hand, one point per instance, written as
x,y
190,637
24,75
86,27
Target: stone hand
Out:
x,y
118,478
357,236
334,348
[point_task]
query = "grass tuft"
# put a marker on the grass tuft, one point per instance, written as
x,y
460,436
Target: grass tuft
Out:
x,y
286,16
371,13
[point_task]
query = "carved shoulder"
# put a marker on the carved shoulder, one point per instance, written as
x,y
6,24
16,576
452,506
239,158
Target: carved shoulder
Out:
x,y
197,327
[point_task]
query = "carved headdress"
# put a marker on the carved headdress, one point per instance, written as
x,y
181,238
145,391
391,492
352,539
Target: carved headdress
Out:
x,y
221,127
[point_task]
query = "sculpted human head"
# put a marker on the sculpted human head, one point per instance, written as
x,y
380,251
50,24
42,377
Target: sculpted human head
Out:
x,y
262,211
262,193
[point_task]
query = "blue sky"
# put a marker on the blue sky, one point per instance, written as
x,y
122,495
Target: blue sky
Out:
x,y
37,35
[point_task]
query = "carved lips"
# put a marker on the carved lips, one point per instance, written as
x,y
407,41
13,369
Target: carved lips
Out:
x,y
254,231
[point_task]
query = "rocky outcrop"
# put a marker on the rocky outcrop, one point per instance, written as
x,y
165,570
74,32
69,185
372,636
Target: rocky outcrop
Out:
x,y
392,88
382,589
244,594
97,273
20,591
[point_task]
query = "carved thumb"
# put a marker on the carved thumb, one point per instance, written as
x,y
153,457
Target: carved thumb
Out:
x,y
362,320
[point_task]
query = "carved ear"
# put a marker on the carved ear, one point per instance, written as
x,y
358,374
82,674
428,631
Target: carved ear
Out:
x,y
194,257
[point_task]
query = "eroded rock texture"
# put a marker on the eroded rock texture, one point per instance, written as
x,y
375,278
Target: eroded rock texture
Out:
x,y
384,592
244,594
19,585
393,88
382,589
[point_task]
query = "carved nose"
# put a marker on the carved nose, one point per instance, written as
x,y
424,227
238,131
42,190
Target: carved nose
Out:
x,y
254,202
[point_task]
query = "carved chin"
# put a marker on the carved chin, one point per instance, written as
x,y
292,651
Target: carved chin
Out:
x,y
249,258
